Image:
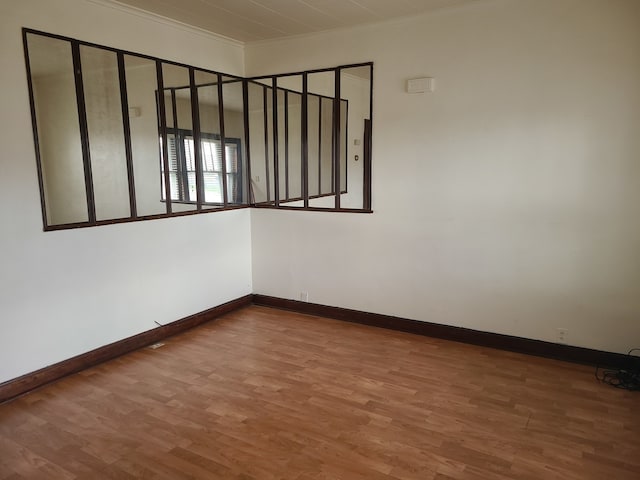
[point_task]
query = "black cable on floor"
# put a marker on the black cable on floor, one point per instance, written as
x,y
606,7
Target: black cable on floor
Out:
x,y
627,378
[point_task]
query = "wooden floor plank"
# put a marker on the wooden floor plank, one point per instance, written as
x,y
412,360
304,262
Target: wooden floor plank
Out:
x,y
266,394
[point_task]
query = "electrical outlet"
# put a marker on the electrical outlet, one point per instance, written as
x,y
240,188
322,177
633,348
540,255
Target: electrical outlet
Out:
x,y
304,296
562,335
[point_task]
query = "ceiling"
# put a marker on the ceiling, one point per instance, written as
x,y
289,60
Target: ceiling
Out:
x,y
254,20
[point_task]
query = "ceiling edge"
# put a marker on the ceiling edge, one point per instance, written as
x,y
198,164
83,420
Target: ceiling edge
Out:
x,y
365,26
138,12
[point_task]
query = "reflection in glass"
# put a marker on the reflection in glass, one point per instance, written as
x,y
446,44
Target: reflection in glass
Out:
x,y
344,108
313,141
355,86
143,123
290,140
106,136
182,161
79,94
283,151
271,180
235,144
326,146
257,146
210,145
321,175
295,145
53,83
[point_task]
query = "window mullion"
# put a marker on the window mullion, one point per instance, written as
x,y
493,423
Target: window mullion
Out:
x,y
368,148
126,129
223,153
162,112
182,173
305,139
319,146
197,156
84,132
335,154
286,144
245,106
276,167
266,141
34,125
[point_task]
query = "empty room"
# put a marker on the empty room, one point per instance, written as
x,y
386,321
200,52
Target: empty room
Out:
x,y
314,239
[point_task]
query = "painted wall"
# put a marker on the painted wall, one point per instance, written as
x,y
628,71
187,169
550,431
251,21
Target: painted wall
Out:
x,y
507,200
65,293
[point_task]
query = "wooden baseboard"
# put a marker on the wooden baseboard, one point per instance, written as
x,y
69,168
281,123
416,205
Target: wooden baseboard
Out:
x,y
31,381
568,353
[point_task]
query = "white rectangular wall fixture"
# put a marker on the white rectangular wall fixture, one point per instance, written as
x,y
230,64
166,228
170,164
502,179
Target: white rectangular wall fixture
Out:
x,y
421,85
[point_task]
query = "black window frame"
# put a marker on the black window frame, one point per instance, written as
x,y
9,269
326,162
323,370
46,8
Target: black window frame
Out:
x,y
246,199
182,171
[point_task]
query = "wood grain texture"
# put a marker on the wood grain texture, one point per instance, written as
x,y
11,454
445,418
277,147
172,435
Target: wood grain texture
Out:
x,y
568,353
267,394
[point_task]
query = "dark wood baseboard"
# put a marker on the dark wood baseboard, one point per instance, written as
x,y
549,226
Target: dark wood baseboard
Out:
x,y
568,353
31,381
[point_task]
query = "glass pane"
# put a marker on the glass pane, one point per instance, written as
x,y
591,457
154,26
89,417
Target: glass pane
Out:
x,y
271,180
326,146
321,89
182,166
211,153
313,141
257,145
344,133
355,89
143,123
212,169
290,140
106,133
53,82
294,145
283,160
235,149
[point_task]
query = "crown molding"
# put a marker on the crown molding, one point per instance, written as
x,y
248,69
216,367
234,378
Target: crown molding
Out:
x,y
154,17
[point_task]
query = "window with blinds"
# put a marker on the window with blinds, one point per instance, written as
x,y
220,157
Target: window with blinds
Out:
x,y
183,172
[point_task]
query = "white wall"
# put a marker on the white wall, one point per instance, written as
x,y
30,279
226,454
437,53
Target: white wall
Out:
x,y
65,293
507,200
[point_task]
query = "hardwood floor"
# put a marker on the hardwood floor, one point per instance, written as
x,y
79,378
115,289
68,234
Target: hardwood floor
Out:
x,y
266,394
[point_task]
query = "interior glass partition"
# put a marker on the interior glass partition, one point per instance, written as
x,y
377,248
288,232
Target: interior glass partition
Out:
x,y
105,128
235,141
321,138
141,84
183,172
56,120
355,168
259,188
290,135
122,136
